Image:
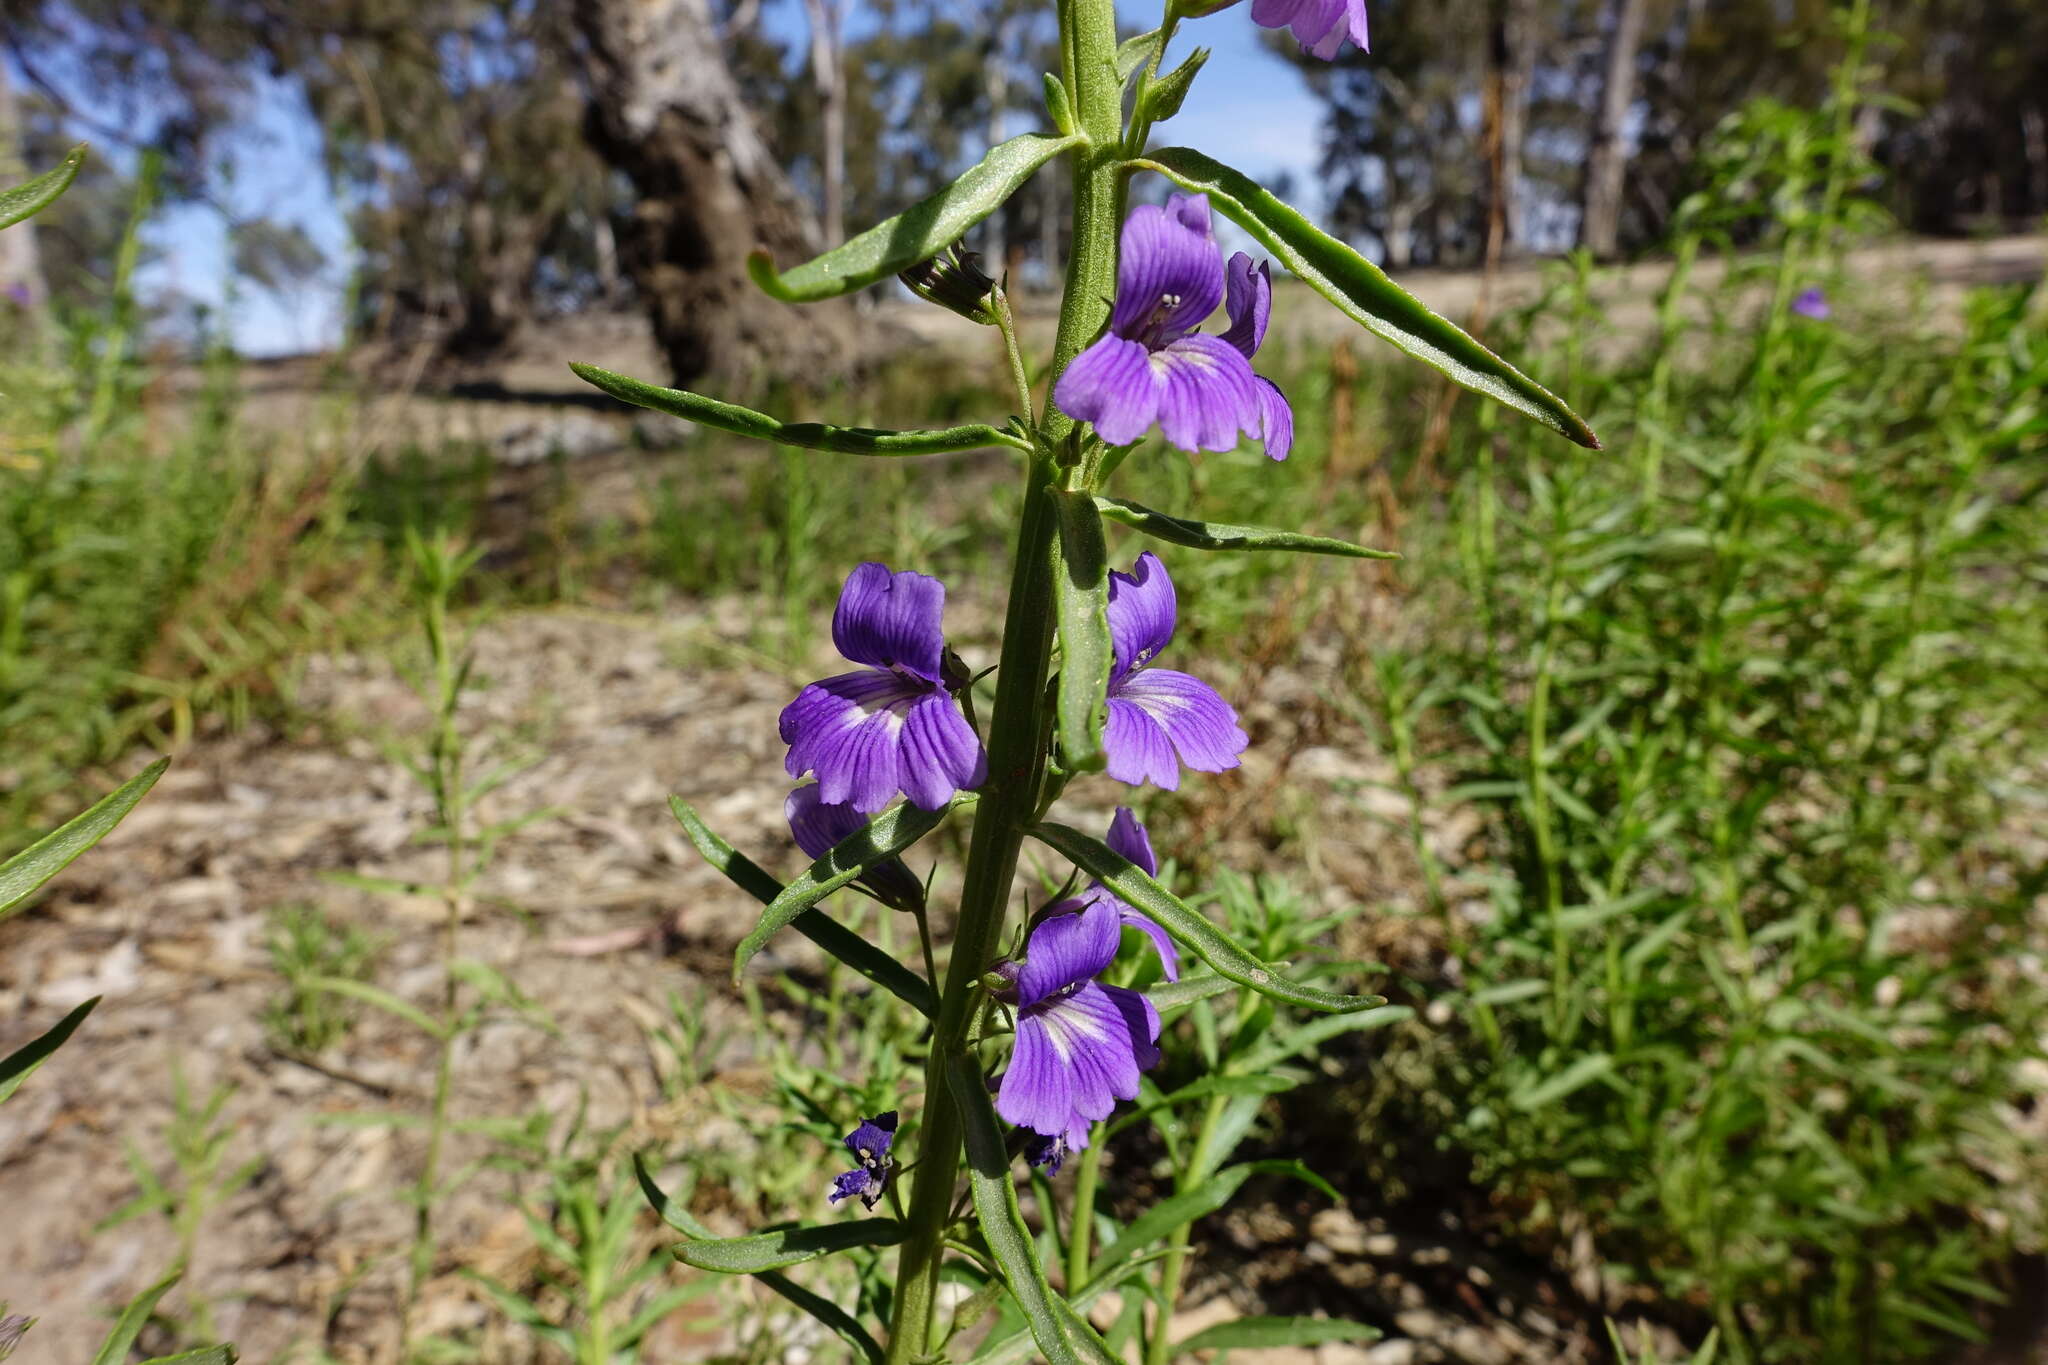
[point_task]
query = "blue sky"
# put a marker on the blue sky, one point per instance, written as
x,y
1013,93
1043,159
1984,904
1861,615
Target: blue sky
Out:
x,y
1250,109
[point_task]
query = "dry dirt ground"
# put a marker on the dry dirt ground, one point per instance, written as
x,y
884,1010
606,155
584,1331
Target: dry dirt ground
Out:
x,y
596,912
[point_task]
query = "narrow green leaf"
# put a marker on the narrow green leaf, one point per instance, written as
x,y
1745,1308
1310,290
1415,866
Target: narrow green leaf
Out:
x,y
1583,1072
381,998
786,1246
1362,293
1081,601
223,1354
834,937
1004,1346
885,836
128,1326
918,233
1177,995
1251,1333
1171,1213
1062,1335
823,1309
1057,105
1164,96
1185,923
741,421
1216,535
27,870
28,199
1133,53
20,1064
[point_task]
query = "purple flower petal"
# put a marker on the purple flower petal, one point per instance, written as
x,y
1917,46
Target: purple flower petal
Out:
x,y
1129,841
848,729
891,620
1276,418
1137,748
1142,610
1811,303
818,825
870,1142
1249,302
941,753
1067,949
1162,942
858,1181
1114,385
1075,1057
1186,711
1209,396
1320,26
1169,273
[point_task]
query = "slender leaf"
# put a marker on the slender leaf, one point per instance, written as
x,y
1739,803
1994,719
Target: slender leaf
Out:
x,y
21,1063
1204,939
741,421
1362,293
1176,1211
1216,535
523,1311
1583,1072
885,836
918,233
1164,96
834,937
1004,1346
27,870
1081,601
824,1310
1133,53
1062,1335
1178,995
129,1325
786,1246
1057,106
1250,1333
223,1354
381,998
32,197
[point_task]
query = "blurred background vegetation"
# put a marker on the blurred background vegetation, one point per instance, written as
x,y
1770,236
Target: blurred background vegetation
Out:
x,y
1698,783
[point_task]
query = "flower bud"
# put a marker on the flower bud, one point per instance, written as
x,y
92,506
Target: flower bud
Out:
x,y
955,280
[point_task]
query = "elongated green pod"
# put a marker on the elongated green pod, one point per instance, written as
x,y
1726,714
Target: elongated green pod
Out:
x,y
1362,292
920,231
1081,598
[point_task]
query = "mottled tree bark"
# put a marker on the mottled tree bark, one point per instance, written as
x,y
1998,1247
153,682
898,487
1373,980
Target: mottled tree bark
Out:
x,y
1607,157
666,111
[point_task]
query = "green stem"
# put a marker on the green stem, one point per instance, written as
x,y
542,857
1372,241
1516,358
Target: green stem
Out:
x,y
1016,753
1083,1224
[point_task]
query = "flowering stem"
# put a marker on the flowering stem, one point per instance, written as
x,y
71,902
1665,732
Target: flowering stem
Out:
x,y
1016,750
1083,1222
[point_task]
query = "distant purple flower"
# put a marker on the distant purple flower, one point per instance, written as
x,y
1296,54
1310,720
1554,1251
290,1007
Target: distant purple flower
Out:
x,y
1151,365
18,292
818,825
1320,26
891,726
1080,1044
869,1144
1159,719
1127,838
1812,303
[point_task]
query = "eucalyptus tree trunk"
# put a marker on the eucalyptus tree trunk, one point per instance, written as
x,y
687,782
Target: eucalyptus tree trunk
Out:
x,y
21,267
1607,157
666,112
1511,61
828,79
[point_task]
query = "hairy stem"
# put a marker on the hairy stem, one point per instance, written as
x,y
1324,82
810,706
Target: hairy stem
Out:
x,y
1016,751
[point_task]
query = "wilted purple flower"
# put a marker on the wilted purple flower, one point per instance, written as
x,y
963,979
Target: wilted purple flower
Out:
x,y
818,825
869,1144
891,726
1320,26
1158,719
1128,839
1080,1044
1049,1152
1812,303
1151,365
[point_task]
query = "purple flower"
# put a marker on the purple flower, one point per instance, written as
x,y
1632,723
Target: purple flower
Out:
x,y
1151,365
891,726
1159,720
818,825
1811,303
1080,1044
1049,1152
18,292
869,1144
1320,26
1127,837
